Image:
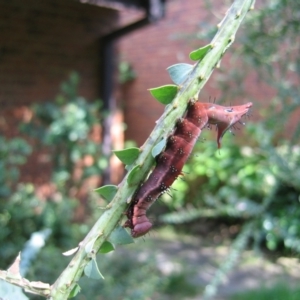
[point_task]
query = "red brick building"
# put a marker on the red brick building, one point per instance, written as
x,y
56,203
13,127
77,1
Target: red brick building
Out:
x,y
42,42
150,51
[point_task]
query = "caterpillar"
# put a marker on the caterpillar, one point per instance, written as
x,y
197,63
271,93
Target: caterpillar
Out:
x,y
178,148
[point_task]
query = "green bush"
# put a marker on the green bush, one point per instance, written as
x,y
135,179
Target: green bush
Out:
x,y
16,208
243,183
13,153
63,126
278,291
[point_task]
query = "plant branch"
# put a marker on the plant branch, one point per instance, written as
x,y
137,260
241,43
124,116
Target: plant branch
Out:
x,y
13,276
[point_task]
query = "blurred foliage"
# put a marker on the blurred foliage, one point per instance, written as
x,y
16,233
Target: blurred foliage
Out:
x,y
22,213
238,181
16,222
69,128
126,72
243,183
278,291
65,125
13,153
139,277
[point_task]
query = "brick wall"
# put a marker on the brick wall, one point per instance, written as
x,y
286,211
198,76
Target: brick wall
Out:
x,y
150,51
154,48
41,42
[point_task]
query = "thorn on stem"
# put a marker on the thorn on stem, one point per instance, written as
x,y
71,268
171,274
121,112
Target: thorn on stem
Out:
x,y
231,39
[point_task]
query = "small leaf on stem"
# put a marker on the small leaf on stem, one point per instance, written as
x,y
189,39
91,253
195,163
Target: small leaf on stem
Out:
x,y
89,246
106,247
200,53
91,270
179,72
127,156
158,148
75,291
132,178
107,191
120,237
164,94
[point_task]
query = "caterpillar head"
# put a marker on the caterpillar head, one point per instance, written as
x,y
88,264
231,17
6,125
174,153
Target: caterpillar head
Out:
x,y
225,117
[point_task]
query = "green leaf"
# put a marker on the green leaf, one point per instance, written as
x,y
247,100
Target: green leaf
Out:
x,y
200,53
107,191
89,246
120,236
179,72
106,247
91,270
164,94
127,156
133,177
157,149
76,289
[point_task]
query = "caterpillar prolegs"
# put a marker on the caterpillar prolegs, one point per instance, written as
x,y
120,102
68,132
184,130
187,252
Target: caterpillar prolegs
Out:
x,y
179,146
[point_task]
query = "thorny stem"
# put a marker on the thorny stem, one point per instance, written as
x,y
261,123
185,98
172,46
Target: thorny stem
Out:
x,y
68,279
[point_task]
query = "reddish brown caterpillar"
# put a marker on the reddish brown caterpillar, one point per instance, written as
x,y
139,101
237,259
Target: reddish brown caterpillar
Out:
x,y
178,148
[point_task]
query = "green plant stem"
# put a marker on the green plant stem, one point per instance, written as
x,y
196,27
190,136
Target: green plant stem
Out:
x,y
63,286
